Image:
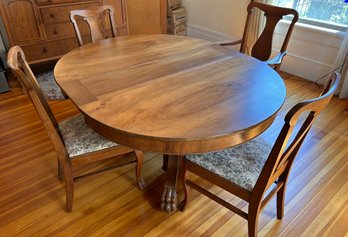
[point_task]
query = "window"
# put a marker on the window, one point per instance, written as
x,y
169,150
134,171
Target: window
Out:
x,y
326,13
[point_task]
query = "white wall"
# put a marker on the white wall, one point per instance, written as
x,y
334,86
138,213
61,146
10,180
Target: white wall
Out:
x,y
311,51
216,19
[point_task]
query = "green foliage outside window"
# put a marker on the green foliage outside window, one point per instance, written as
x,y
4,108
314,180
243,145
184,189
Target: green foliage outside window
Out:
x,y
331,11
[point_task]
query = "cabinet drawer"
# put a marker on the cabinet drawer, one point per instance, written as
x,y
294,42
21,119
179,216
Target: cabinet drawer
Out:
x,y
61,14
120,7
51,49
54,2
65,30
40,51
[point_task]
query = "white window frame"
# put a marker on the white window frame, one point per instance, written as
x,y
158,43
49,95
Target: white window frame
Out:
x,y
323,24
319,23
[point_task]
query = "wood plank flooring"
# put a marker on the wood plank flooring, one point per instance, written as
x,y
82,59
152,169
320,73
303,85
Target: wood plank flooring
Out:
x,y
109,204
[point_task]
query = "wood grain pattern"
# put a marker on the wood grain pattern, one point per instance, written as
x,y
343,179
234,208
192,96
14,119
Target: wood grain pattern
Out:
x,y
147,17
170,94
25,27
31,198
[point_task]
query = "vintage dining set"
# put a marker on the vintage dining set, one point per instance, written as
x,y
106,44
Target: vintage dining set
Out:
x,y
200,104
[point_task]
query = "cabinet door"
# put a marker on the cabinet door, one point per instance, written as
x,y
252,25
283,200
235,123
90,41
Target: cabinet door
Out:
x,y
120,16
120,11
22,21
147,16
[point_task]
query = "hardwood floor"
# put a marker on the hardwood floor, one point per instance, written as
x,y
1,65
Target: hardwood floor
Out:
x,y
109,204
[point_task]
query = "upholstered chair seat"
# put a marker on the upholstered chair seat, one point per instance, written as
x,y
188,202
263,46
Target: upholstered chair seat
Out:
x,y
240,165
80,139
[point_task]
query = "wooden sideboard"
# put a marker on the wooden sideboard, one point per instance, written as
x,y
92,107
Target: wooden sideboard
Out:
x,y
147,16
44,31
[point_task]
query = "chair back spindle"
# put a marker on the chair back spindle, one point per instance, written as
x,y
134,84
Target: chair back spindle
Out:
x,y
91,16
262,48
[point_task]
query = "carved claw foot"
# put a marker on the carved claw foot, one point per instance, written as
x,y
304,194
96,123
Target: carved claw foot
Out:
x,y
141,184
169,199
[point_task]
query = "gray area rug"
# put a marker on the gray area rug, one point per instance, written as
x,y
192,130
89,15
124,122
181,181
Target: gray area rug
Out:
x,y
49,87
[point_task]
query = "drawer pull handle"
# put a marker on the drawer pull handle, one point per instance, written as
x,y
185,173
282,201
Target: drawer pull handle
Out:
x,y
49,0
52,15
44,50
55,32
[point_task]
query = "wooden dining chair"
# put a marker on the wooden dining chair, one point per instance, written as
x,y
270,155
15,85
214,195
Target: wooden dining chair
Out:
x,y
91,16
262,48
74,142
251,169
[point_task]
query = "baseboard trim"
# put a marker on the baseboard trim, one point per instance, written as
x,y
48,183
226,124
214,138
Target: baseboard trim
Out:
x,y
301,58
205,33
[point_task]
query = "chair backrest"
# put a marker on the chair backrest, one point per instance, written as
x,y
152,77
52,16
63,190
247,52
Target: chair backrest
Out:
x,y
282,155
91,16
20,67
262,48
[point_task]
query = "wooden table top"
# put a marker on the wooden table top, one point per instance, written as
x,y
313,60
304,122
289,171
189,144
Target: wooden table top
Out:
x,y
171,94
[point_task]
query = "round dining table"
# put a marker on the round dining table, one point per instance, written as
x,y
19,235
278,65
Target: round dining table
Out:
x,y
172,95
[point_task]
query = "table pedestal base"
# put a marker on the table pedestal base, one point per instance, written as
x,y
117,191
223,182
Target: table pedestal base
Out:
x,y
169,202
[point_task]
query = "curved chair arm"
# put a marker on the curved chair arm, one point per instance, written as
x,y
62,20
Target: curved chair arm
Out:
x,y
229,43
277,59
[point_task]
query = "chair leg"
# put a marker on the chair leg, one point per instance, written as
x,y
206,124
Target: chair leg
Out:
x,y
184,177
69,186
60,171
253,223
280,202
140,157
69,194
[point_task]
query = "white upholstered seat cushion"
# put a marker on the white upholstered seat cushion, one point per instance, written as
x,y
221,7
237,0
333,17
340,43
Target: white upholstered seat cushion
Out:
x,y
240,164
79,139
